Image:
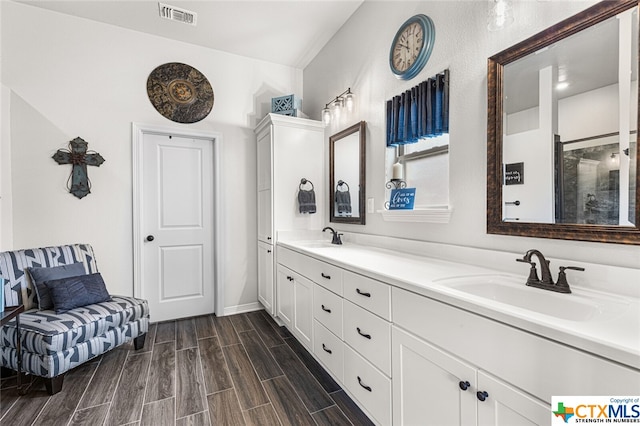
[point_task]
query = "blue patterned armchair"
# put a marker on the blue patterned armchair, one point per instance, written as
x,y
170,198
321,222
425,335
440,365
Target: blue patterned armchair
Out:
x,y
53,343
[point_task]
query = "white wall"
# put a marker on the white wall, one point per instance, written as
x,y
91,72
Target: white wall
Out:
x,y
584,115
357,57
73,77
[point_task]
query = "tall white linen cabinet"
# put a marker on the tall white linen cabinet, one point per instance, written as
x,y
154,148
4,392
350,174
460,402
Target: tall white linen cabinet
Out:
x,y
289,149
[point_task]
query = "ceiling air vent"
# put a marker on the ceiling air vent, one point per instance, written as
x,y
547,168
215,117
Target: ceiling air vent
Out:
x,y
176,14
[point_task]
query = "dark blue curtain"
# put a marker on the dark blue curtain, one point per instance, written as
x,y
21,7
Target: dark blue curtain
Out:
x,y
420,112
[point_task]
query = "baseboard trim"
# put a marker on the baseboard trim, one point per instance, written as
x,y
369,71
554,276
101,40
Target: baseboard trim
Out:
x,y
238,309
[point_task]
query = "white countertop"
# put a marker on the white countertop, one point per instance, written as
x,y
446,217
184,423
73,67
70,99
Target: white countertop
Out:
x,y
615,337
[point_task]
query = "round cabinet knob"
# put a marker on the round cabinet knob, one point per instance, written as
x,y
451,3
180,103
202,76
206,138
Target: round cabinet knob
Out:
x,y
464,385
482,395
150,238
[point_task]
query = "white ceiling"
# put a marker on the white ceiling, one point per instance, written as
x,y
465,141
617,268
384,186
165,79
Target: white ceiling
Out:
x,y
289,32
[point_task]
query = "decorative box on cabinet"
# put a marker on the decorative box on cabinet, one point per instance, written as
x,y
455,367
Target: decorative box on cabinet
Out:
x,y
288,150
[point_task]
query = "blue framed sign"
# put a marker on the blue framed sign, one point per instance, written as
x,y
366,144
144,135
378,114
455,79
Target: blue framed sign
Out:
x,y
402,199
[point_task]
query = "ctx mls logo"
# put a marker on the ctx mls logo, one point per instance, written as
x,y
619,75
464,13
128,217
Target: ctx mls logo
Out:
x,y
595,409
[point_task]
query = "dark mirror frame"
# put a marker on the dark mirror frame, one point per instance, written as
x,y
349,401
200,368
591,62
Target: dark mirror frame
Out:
x,y
358,127
495,225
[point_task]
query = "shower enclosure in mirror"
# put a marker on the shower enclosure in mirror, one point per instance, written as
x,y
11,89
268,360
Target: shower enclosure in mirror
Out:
x,y
347,175
562,130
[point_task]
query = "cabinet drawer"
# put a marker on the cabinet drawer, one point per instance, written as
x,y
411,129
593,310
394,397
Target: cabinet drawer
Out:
x,y
327,309
369,386
329,349
374,296
369,335
326,275
291,259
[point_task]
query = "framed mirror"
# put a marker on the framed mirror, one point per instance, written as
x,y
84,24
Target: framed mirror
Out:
x,y
562,130
347,175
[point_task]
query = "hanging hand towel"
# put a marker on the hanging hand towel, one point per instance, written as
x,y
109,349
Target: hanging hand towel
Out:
x,y
343,202
307,201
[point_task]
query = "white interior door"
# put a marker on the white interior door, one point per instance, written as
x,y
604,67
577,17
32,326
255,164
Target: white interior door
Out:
x,y
177,226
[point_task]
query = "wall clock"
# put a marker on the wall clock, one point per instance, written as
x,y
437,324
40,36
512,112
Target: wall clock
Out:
x,y
412,47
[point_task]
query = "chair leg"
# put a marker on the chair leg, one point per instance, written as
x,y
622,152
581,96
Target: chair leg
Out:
x,y
6,372
54,384
138,342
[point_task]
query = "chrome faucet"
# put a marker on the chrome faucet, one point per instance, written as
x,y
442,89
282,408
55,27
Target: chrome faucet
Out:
x,y
336,237
546,283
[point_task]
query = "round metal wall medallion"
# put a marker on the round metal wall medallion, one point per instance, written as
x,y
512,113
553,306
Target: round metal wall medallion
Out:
x,y
180,92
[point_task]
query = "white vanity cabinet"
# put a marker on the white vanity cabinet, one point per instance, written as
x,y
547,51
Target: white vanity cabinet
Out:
x,y
410,359
288,150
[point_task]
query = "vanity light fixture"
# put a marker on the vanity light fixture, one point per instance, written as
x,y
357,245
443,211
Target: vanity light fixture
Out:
x,y
562,85
613,158
500,14
333,108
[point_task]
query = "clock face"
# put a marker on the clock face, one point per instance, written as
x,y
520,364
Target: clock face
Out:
x,y
412,47
408,46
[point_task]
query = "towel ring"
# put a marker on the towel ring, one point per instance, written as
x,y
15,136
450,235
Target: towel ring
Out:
x,y
340,183
304,181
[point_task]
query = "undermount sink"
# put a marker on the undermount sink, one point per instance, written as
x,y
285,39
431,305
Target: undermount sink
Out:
x,y
316,244
580,305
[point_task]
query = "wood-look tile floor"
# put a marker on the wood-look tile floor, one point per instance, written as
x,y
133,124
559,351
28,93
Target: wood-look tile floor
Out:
x,y
235,370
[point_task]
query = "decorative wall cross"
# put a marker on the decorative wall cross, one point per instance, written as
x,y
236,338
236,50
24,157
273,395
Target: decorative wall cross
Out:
x,y
79,157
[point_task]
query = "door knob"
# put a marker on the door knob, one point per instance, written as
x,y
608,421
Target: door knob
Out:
x,y
150,237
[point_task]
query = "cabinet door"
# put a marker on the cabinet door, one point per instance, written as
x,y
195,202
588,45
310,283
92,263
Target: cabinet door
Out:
x,y
265,223
505,405
426,384
265,276
284,283
303,310
264,161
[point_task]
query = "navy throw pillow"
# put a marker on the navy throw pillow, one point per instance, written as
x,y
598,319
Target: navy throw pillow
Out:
x,y
74,292
40,275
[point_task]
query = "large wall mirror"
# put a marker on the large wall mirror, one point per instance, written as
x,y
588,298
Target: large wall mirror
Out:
x,y
347,175
562,130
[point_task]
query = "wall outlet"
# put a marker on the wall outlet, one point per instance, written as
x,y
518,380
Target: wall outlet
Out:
x,y
370,205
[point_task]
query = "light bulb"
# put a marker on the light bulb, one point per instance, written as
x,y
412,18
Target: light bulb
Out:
x,y
348,100
336,111
326,115
500,14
